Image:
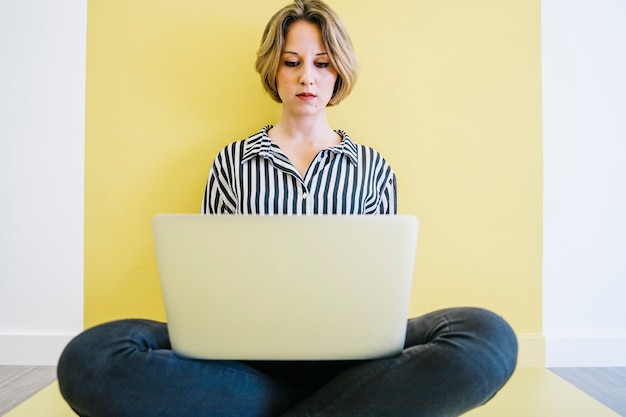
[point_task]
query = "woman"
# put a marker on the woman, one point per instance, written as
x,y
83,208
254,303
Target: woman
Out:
x,y
454,360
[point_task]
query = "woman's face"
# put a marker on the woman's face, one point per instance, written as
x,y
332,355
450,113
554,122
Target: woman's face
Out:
x,y
305,77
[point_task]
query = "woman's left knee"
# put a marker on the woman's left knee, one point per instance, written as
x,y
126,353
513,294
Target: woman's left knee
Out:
x,y
493,334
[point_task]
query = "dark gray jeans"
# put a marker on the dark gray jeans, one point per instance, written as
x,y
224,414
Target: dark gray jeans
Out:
x,y
454,360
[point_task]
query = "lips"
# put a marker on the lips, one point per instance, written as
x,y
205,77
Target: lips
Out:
x,y
305,94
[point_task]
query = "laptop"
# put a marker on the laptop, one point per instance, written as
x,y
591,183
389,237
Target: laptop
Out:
x,y
324,287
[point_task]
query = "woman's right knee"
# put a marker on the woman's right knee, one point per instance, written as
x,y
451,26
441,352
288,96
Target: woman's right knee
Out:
x,y
95,353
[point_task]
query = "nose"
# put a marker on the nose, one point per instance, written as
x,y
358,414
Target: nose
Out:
x,y
306,75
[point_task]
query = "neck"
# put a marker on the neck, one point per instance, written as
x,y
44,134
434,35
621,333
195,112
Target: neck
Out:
x,y
304,129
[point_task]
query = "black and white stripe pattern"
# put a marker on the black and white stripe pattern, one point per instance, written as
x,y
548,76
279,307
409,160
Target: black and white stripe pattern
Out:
x,y
254,176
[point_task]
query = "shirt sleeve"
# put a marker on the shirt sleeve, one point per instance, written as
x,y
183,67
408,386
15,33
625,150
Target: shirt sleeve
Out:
x,y
389,199
219,197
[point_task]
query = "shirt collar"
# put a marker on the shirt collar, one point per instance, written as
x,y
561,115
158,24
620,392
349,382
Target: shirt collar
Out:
x,y
260,144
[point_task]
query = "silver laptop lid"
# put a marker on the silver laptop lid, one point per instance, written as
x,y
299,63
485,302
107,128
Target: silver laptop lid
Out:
x,y
286,287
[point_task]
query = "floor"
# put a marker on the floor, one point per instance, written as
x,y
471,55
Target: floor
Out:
x,y
607,385
531,392
18,383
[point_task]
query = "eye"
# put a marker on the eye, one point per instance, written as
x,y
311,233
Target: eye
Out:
x,y
291,64
322,64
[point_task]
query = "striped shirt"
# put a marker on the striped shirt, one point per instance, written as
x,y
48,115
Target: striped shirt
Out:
x,y
254,176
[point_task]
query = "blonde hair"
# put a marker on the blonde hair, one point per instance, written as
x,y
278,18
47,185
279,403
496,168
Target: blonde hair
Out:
x,y
335,37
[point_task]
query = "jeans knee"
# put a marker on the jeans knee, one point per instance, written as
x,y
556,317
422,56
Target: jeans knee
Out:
x,y
91,355
74,369
495,335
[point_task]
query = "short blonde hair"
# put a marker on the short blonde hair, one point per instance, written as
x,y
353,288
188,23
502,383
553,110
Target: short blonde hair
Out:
x,y
335,37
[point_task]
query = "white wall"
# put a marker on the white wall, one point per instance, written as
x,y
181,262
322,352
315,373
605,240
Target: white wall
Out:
x,y
42,79
584,87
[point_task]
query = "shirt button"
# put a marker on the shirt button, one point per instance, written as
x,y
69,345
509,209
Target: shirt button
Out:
x,y
305,195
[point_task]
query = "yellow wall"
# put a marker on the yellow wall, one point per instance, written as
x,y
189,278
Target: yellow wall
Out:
x,y
450,93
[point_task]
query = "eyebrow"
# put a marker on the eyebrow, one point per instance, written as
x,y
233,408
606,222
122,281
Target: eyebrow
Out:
x,y
295,53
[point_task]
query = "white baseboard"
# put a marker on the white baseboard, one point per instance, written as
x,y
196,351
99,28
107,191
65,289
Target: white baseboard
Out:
x,y
576,351
32,349
537,350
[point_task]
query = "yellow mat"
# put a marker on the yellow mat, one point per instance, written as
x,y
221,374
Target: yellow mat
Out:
x,y
537,392
531,392
46,403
